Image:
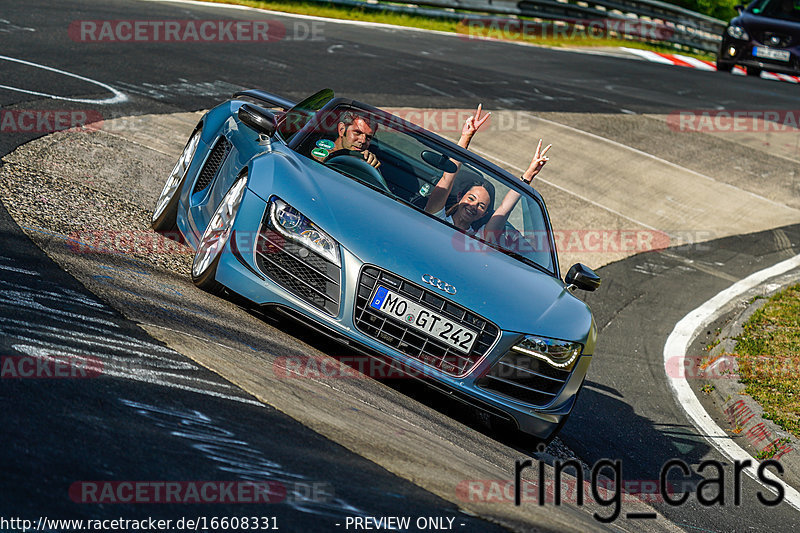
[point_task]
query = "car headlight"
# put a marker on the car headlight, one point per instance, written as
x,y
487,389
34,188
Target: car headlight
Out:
x,y
293,225
737,32
560,354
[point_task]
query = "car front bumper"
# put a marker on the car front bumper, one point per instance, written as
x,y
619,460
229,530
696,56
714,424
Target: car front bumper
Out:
x,y
736,52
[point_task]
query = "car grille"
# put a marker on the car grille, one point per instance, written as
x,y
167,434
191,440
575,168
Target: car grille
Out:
x,y
792,65
410,342
298,269
214,161
777,40
524,378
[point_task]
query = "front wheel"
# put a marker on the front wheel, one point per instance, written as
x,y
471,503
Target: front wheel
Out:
x,y
724,67
165,214
205,277
215,237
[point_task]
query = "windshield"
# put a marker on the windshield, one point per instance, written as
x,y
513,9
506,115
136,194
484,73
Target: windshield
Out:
x,y
779,9
295,118
409,165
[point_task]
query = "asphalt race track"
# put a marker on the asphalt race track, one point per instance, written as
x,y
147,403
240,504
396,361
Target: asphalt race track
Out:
x,y
185,387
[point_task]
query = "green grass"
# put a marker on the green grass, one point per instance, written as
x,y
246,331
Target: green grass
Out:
x,y
770,451
347,13
451,26
769,358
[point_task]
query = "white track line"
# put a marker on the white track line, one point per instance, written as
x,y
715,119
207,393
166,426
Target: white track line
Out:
x,y
492,157
315,17
118,97
659,159
645,54
677,345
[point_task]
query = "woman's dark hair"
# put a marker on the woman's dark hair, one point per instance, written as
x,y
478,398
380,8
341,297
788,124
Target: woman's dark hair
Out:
x,y
453,200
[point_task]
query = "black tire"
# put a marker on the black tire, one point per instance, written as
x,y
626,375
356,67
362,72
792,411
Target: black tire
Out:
x,y
167,223
753,71
546,442
724,67
564,419
207,279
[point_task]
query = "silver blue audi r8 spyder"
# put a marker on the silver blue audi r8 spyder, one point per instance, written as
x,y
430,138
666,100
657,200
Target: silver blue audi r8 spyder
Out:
x,y
280,214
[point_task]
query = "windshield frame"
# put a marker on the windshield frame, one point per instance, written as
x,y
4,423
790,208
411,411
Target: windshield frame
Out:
x,y
443,145
325,95
775,16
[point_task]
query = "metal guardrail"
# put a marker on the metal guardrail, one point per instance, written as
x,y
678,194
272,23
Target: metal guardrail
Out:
x,y
650,20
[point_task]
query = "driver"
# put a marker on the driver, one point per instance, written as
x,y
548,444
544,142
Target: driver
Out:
x,y
355,132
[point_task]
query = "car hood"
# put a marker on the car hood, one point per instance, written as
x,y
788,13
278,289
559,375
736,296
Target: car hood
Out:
x,y
757,23
381,231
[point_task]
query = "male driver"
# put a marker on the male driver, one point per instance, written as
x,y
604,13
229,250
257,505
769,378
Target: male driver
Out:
x,y
355,133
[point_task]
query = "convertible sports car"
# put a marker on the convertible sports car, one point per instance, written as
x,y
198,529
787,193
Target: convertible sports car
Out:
x,y
279,216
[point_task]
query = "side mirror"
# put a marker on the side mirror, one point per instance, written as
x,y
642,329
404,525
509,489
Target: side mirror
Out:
x,y
260,120
582,277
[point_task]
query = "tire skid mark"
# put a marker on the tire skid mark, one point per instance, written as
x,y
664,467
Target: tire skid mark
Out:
x,y
80,327
232,454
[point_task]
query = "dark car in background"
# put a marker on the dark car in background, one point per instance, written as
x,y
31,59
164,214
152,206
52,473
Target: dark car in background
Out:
x,y
765,36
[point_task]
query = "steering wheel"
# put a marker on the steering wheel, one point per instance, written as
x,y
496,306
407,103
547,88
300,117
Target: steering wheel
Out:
x,y
352,163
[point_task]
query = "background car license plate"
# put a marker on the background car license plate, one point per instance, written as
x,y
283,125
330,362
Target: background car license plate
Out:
x,y
770,53
423,320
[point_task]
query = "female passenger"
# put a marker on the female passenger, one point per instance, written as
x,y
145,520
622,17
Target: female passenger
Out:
x,y
474,200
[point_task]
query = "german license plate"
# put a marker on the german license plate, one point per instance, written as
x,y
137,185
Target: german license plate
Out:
x,y
771,53
423,320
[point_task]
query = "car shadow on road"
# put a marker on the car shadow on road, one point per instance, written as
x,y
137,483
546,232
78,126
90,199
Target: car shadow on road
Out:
x,y
642,446
594,398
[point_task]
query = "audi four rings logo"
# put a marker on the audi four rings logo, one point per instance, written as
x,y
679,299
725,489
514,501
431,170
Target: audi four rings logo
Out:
x,y
439,284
